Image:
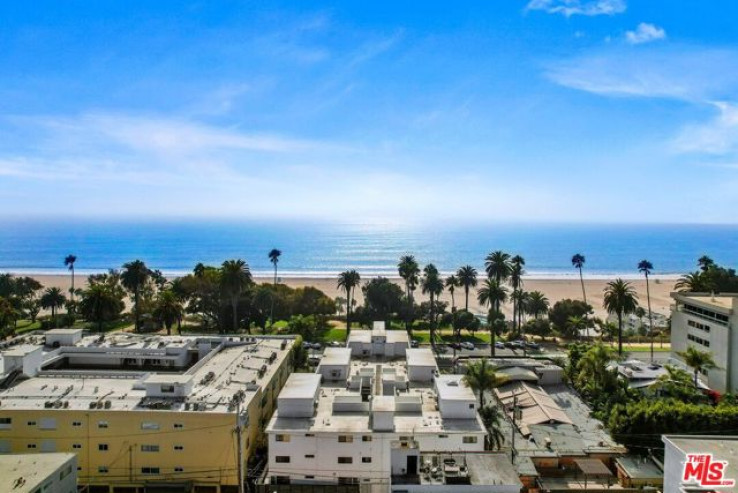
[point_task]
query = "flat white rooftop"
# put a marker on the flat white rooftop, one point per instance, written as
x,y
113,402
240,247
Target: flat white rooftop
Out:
x,y
300,386
23,473
420,357
336,356
453,388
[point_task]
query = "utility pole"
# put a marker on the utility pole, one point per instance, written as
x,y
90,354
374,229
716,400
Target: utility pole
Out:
x,y
240,450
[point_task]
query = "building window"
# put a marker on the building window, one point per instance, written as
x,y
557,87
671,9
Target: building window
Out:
x,y
102,447
6,423
342,480
442,436
308,435
180,447
366,460
149,425
178,425
283,438
167,389
282,459
471,406
31,445
309,456
309,477
149,470
76,424
31,423
102,424
345,460
179,469
48,424
471,439
149,448
345,439
77,446
366,438
102,469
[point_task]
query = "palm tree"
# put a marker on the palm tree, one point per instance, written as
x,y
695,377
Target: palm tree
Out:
x,y
100,303
348,280
698,361
576,324
645,267
408,270
482,377
620,299
516,282
235,278
134,276
578,262
705,262
69,261
537,303
491,417
498,266
452,282
432,285
274,255
492,294
468,279
168,309
695,282
52,299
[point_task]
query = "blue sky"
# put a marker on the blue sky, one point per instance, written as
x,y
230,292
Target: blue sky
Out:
x,y
564,110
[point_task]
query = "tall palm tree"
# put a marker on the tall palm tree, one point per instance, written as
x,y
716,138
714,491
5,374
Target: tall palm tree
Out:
x,y
578,262
452,282
234,279
69,261
698,361
348,281
620,299
492,294
408,270
467,279
52,299
432,285
274,255
133,277
645,267
168,309
516,282
491,418
482,377
695,282
537,303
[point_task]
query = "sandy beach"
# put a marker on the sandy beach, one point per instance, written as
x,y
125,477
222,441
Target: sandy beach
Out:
x,y
554,289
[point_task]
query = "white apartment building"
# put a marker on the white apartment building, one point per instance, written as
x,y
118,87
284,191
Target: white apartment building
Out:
x,y
370,420
708,322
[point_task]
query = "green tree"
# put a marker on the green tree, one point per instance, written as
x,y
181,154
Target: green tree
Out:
x,y
235,278
481,377
574,325
409,271
452,282
101,303
348,281
134,277
274,255
432,285
467,279
698,360
620,299
7,317
537,304
676,384
383,299
578,261
492,294
517,264
69,262
645,267
498,266
705,263
52,299
168,309
492,418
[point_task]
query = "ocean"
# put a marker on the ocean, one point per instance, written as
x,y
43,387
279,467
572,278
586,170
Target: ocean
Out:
x,y
321,249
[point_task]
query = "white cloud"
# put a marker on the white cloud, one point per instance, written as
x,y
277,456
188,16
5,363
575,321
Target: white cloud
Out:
x,y
718,137
686,73
645,33
578,7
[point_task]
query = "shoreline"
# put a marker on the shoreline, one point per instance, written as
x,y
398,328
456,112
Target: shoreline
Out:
x,y
555,289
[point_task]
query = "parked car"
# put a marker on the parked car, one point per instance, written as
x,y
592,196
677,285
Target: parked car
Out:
x,y
413,343
334,344
532,345
314,360
316,345
456,345
499,345
468,345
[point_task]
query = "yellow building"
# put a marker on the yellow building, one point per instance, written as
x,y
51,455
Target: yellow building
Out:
x,y
144,411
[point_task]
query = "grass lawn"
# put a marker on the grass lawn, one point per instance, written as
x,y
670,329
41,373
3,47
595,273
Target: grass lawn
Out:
x,y
423,337
27,326
337,334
